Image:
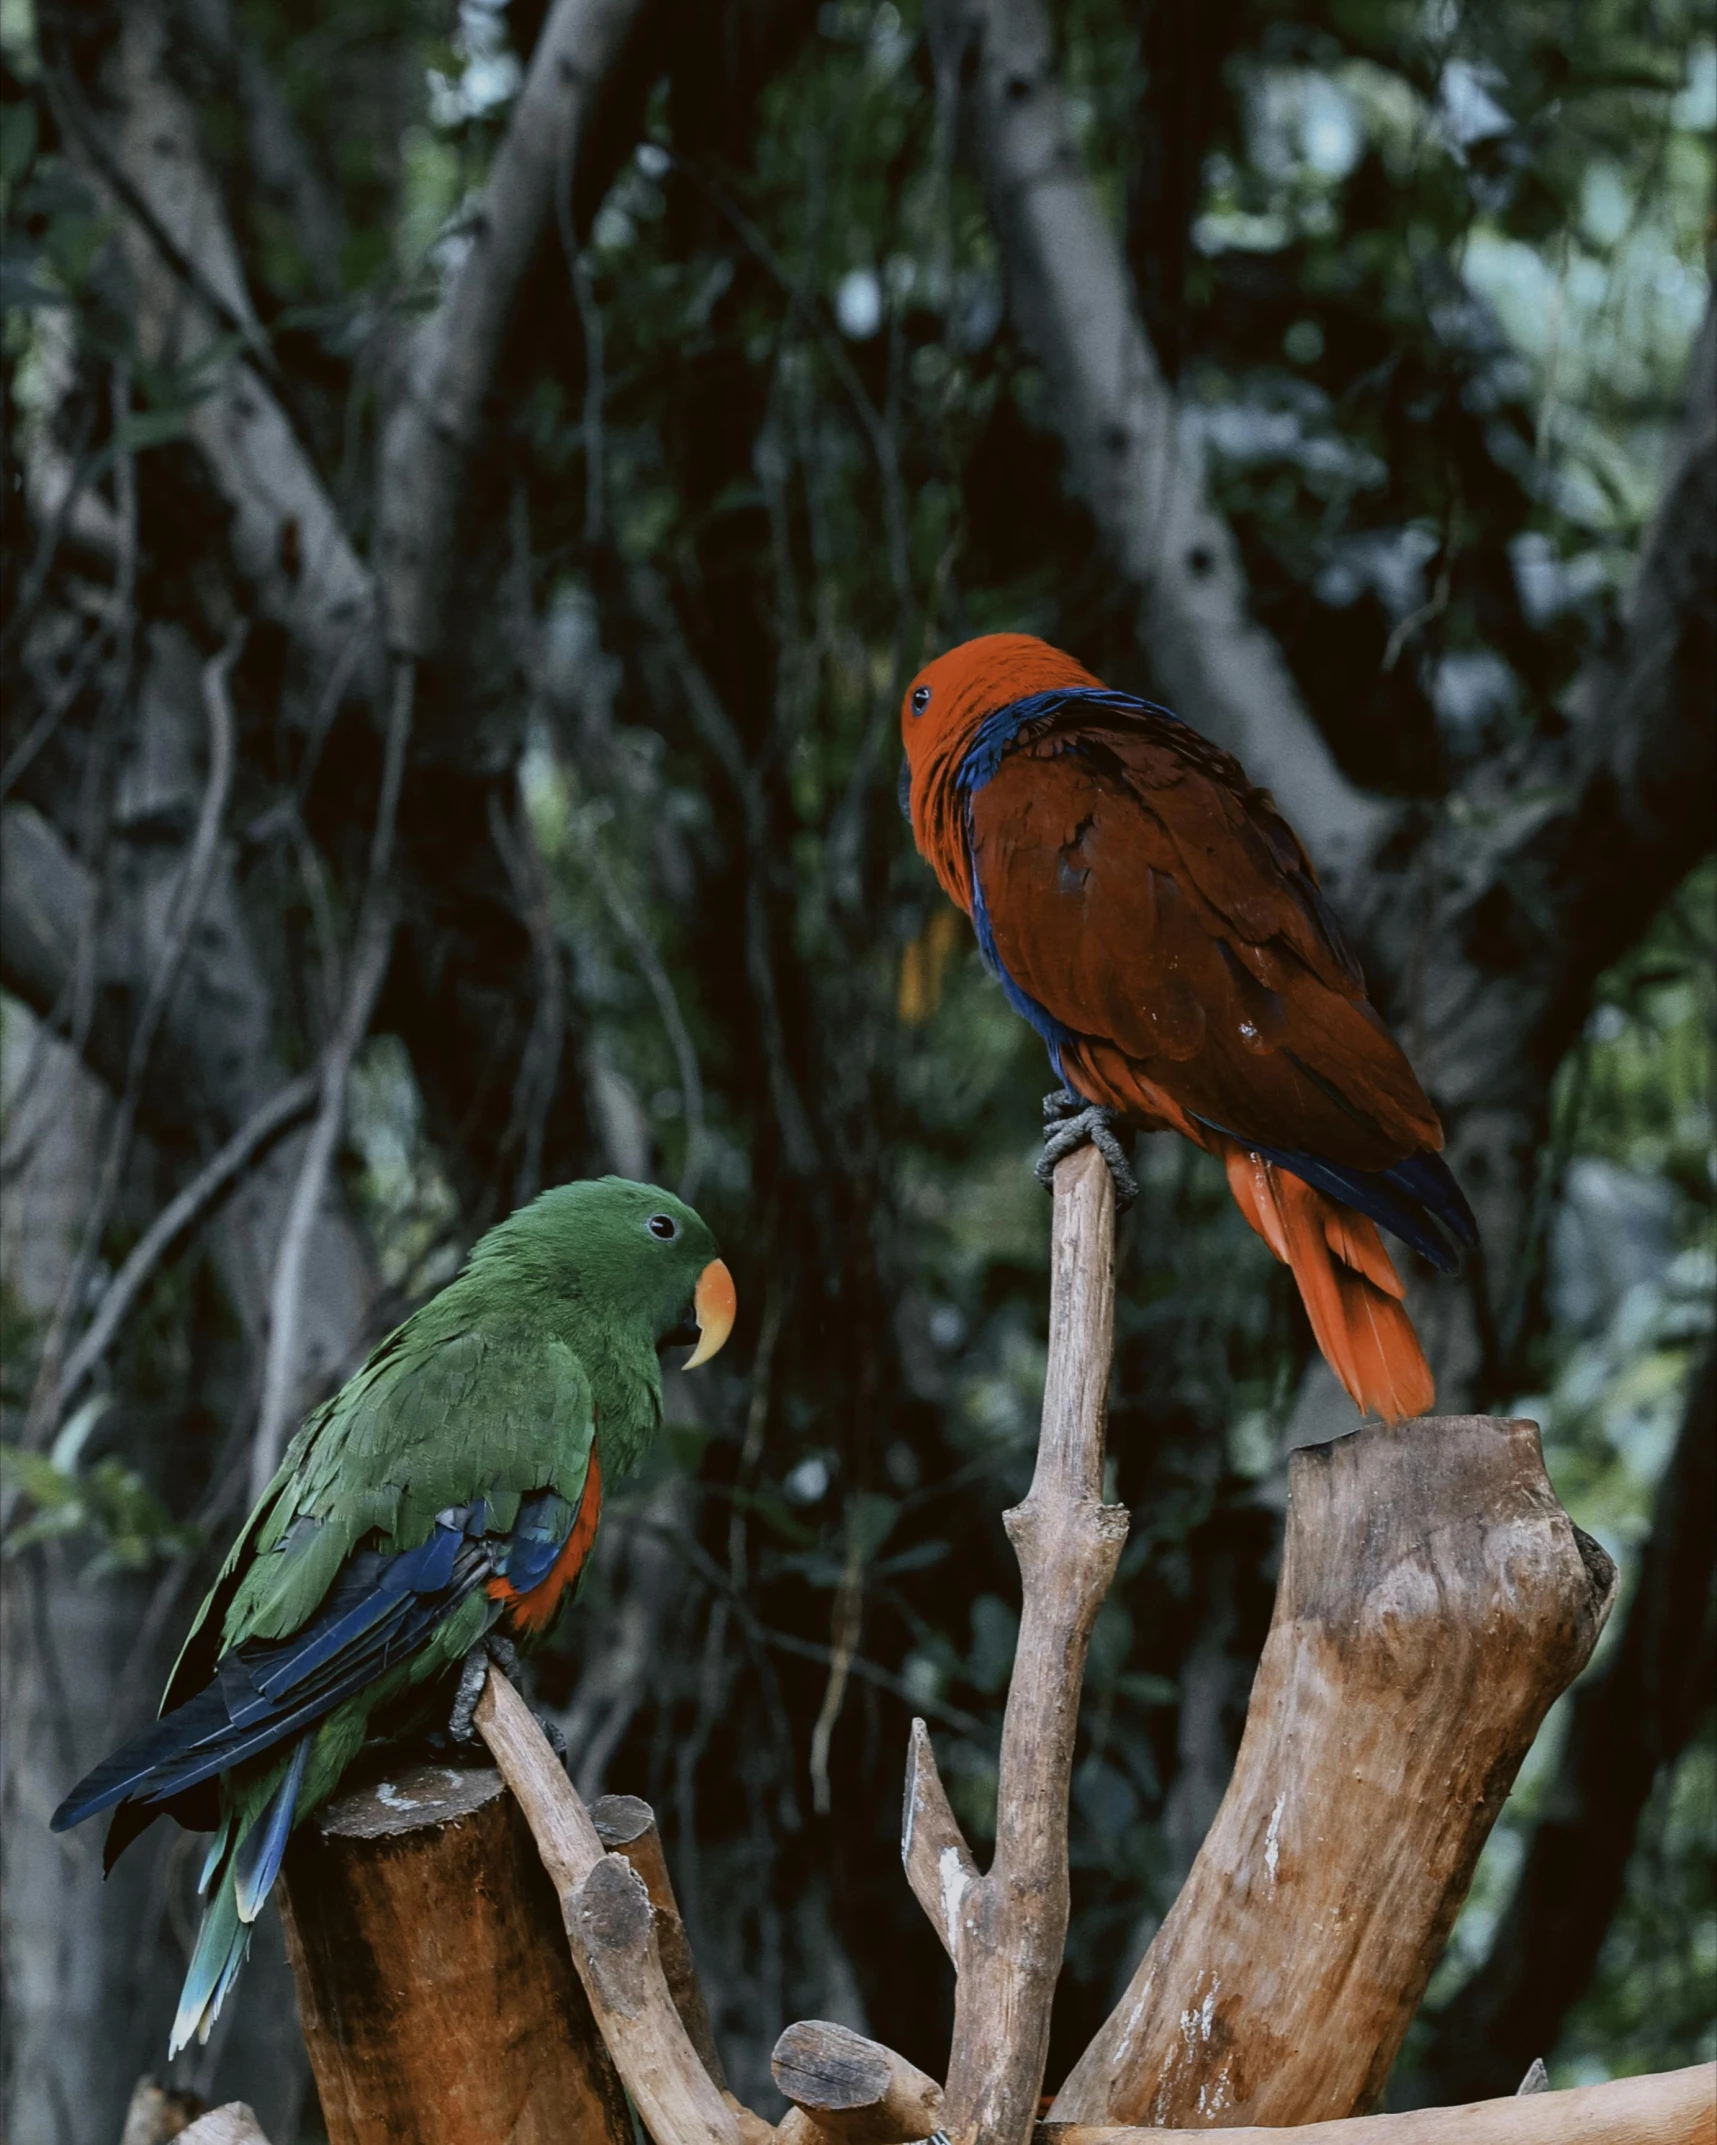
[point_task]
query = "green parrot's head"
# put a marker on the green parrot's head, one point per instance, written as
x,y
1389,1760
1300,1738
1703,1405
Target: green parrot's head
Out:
x,y
621,1259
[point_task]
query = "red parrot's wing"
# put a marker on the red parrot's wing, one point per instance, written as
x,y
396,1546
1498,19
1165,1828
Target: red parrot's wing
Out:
x,y
1144,894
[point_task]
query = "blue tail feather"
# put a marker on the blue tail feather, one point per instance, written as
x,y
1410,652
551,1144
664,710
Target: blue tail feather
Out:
x,y
256,1862
222,1942
217,1851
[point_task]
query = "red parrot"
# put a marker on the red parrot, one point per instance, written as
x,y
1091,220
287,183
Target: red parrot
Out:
x,y
1156,920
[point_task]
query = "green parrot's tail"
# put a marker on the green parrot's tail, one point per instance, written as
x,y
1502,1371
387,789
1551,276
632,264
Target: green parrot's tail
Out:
x,y
238,1877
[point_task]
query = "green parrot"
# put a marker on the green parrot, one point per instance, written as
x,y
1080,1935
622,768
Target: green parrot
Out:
x,y
445,1498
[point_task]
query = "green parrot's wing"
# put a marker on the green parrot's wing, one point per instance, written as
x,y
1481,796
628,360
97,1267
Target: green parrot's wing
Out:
x,y
441,1415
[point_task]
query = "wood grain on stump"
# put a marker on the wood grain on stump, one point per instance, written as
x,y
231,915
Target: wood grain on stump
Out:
x,y
1434,1600
436,1992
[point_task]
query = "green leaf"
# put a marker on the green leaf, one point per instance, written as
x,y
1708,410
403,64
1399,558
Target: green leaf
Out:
x,y
17,141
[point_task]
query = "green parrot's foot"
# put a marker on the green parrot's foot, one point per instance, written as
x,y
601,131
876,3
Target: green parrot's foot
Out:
x,y
472,1676
461,1722
1069,1122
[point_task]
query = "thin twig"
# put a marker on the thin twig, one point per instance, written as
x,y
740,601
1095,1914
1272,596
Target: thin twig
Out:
x,y
845,1623
539,1061
283,1108
368,967
54,708
82,474
668,1008
186,906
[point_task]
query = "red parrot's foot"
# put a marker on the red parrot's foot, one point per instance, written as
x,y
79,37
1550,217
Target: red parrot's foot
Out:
x,y
1069,1122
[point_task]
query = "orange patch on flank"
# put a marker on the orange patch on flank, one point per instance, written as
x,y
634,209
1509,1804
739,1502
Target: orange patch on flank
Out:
x,y
532,1612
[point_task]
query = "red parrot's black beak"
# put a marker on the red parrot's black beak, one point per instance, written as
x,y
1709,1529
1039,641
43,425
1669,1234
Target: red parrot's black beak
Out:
x,y
903,790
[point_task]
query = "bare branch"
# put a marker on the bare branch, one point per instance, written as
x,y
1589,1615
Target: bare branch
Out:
x,y
286,535
1664,2108
185,907
627,1826
610,1926
453,358
939,1865
233,2124
1012,1922
1138,468
273,1116
282,1371
1430,1582
567,1841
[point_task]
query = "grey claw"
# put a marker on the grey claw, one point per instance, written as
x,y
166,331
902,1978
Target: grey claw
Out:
x,y
472,1677
1096,1125
493,1648
1058,1105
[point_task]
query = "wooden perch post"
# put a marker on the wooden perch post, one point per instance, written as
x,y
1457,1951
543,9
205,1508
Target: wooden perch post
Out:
x,y
434,1985
1434,1599
1006,1929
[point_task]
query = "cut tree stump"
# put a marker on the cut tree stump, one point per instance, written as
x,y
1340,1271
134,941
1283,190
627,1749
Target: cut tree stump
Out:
x,y
1434,1600
846,2090
434,1984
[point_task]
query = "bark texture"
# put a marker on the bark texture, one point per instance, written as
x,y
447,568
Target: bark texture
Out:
x,y
605,1906
1007,1928
1627,1724
1663,2108
845,2087
1131,459
1434,1600
435,1992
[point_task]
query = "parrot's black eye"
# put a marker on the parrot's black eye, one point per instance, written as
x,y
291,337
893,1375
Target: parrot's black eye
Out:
x,y
663,1227
920,699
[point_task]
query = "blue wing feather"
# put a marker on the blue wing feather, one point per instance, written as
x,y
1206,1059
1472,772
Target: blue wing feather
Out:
x,y
380,1610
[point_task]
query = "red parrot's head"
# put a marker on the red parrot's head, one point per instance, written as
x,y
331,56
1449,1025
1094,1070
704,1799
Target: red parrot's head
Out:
x,y
939,719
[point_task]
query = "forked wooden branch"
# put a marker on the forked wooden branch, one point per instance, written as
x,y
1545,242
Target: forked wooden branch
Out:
x,y
605,1904
1434,1600
1006,1929
846,2090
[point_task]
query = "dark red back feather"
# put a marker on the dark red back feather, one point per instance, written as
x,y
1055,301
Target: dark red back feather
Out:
x,y
1155,904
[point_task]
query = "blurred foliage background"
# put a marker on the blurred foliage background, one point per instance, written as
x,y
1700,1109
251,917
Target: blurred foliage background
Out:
x,y
1426,278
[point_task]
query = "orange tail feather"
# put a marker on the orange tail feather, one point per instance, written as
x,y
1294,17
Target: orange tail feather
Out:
x,y
1347,1282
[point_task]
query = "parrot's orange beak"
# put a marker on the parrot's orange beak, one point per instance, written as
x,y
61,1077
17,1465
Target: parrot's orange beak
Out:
x,y
714,1300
